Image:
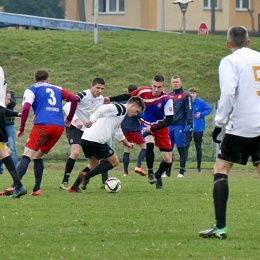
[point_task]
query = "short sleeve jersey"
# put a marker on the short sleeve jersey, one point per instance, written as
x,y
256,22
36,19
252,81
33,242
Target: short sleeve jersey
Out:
x,y
46,101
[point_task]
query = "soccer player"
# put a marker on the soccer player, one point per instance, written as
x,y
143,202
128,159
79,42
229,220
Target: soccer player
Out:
x,y
19,189
103,124
157,116
132,132
239,110
89,101
46,101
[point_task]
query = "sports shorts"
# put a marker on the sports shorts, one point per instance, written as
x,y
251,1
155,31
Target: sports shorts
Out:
x,y
134,137
99,151
44,137
237,149
74,135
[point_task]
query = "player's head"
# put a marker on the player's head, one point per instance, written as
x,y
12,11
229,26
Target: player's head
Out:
x,y
97,87
131,88
157,85
135,105
193,93
237,37
41,75
176,82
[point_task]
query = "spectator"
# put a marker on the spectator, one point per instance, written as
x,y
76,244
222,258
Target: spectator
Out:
x,y
182,106
200,110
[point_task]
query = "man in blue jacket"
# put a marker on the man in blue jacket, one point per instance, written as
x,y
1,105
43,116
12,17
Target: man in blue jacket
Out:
x,y
200,110
182,107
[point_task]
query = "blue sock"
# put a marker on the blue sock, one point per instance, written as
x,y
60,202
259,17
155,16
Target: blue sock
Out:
x,y
141,158
126,160
23,166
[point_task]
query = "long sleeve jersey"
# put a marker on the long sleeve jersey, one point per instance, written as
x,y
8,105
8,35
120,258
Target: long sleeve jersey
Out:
x,y
182,105
106,122
239,104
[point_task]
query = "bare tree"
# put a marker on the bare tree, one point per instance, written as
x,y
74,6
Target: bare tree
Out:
x,y
246,3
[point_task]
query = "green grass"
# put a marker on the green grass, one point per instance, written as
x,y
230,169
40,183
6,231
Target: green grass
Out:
x,y
139,222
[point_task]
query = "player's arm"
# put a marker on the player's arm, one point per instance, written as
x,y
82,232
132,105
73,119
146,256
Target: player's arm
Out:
x,y
168,111
73,103
10,113
120,98
189,111
206,109
119,136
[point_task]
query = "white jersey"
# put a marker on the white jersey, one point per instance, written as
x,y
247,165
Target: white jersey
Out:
x,y
3,86
87,105
106,122
239,104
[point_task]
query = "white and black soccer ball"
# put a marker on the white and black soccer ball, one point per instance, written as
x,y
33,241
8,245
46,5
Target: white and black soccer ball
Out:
x,y
113,185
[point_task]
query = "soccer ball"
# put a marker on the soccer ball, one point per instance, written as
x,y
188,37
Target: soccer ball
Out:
x,y
112,185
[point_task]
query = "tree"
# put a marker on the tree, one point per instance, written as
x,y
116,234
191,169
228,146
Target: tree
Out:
x,y
246,4
46,8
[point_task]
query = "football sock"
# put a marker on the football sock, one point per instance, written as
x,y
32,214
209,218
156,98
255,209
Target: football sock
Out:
x,y
141,157
149,155
220,196
126,159
23,166
9,164
162,168
104,177
77,182
104,166
38,172
168,171
68,169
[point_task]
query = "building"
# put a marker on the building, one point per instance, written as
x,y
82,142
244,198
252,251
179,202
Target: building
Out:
x,y
164,15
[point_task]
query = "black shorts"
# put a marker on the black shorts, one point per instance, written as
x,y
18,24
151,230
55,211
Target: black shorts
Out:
x,y
99,151
237,149
3,134
74,135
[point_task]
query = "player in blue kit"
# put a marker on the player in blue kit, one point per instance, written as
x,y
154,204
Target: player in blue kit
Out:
x,y
157,116
46,101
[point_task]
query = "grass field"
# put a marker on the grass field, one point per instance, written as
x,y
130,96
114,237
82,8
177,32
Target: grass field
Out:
x,y
139,222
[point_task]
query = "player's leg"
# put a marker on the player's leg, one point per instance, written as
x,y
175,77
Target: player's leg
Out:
x,y
74,139
12,142
188,138
172,139
126,160
180,144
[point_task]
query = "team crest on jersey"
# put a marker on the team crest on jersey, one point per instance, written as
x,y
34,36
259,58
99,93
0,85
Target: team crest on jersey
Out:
x,y
71,141
110,152
180,96
170,108
159,105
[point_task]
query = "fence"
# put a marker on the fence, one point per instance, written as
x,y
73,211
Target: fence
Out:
x,y
61,150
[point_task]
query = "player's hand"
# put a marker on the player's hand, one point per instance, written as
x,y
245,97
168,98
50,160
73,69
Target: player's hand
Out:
x,y
190,128
147,129
19,114
215,133
197,115
67,123
88,124
130,145
19,135
79,124
106,100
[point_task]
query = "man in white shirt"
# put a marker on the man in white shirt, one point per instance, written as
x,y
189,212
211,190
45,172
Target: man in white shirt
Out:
x,y
103,124
239,110
88,102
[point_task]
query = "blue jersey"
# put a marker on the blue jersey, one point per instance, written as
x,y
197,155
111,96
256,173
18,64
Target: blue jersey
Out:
x,y
46,101
156,108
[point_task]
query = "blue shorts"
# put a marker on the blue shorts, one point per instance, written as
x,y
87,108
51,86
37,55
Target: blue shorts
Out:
x,y
177,135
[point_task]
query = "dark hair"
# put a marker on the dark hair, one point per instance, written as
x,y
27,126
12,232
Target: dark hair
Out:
x,y
138,101
158,78
131,88
98,81
41,75
237,36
